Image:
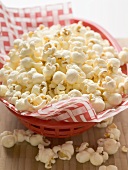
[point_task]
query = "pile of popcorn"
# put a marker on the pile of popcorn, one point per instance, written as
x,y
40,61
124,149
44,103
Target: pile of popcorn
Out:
x,y
108,145
56,63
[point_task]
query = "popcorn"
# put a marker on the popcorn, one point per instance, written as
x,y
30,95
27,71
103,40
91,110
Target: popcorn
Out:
x,y
36,139
46,155
110,167
98,157
110,146
64,151
78,58
87,68
112,132
98,48
58,77
3,90
57,63
9,139
113,98
123,56
75,93
72,76
109,84
113,64
37,78
98,104
104,123
124,149
88,86
48,71
26,62
84,153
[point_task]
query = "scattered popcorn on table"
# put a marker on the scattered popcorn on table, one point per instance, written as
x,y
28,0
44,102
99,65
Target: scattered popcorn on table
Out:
x,y
98,157
109,145
63,62
124,149
106,146
109,167
9,139
64,151
46,155
112,132
84,153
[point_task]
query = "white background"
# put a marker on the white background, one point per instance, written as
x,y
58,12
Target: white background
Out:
x,y
111,14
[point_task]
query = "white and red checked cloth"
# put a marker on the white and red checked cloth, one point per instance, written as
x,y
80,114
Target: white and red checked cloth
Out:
x,y
13,22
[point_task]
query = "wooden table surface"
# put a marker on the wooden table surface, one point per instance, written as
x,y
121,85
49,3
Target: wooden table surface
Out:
x,y
22,156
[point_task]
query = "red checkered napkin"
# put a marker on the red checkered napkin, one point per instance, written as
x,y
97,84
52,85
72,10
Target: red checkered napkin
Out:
x,y
13,22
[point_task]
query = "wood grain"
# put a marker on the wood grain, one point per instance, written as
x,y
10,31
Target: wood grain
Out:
x,y
22,156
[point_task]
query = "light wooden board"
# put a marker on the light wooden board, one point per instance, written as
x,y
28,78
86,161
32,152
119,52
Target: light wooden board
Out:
x,y
22,156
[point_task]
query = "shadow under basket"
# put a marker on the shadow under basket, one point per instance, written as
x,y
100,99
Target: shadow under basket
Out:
x,y
51,128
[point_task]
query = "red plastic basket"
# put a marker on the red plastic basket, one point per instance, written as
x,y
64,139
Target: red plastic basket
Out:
x,y
56,129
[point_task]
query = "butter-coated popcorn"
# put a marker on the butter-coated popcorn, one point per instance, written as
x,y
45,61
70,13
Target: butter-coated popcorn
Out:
x,y
56,63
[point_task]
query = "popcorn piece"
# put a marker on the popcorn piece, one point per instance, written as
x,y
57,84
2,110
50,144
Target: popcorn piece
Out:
x,y
98,157
37,78
124,149
20,105
104,123
48,71
108,105
113,64
78,58
33,103
109,84
36,139
83,156
110,146
112,132
103,153
75,93
5,133
58,77
19,135
87,68
113,98
65,151
8,141
27,62
84,153
98,48
3,90
110,167
98,104
46,155
72,76
88,86
123,56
